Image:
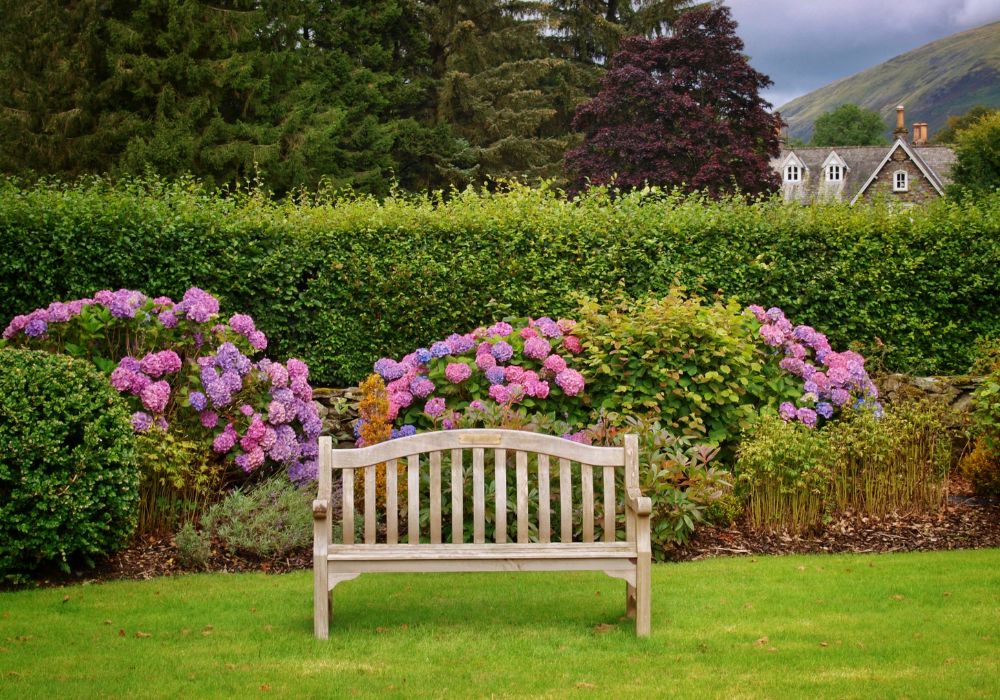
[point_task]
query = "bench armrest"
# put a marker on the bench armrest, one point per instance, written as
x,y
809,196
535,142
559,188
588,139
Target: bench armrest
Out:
x,y
320,508
637,503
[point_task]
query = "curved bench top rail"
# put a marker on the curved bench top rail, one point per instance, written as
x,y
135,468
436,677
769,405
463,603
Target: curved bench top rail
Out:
x,y
521,440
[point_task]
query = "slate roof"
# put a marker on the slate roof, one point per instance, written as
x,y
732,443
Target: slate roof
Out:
x,y
861,163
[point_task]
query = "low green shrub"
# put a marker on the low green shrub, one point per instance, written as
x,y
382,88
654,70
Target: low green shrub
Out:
x,y
784,468
68,475
896,462
982,464
194,551
696,366
270,519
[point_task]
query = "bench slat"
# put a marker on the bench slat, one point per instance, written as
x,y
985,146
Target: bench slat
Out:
x,y
565,501
457,488
391,503
413,499
587,486
522,496
347,505
609,504
370,504
500,487
478,497
435,498
544,512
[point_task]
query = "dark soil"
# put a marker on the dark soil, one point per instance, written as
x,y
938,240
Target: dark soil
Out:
x,y
965,523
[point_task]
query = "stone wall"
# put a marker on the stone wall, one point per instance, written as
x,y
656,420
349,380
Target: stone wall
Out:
x,y
954,392
338,408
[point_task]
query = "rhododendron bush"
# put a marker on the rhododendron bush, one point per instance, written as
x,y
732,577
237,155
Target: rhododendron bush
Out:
x,y
520,367
189,372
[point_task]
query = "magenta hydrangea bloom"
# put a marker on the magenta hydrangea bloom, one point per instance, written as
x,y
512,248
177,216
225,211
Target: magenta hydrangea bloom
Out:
x,y
806,416
155,396
208,419
570,381
457,372
500,393
156,364
528,332
513,373
554,364
501,328
485,361
787,410
537,348
573,344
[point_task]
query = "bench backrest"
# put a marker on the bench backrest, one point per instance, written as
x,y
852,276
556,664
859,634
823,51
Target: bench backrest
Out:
x,y
435,470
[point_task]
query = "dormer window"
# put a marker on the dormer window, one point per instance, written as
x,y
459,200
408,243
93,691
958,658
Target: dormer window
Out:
x,y
900,181
793,173
834,173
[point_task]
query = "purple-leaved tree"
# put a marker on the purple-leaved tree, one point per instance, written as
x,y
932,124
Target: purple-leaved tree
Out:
x,y
679,111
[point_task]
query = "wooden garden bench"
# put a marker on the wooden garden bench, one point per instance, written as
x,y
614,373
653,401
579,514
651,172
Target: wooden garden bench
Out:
x,y
428,549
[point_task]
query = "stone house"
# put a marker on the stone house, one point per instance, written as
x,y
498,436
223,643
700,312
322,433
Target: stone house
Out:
x,y
908,170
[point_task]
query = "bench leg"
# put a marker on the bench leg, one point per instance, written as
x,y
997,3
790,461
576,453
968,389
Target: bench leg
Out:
x,y
643,595
322,609
629,601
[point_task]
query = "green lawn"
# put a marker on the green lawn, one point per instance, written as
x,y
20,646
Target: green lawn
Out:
x,y
888,626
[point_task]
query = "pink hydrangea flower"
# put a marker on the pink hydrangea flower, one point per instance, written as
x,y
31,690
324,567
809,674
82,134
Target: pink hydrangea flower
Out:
x,y
570,381
435,407
457,372
155,396
554,364
537,348
572,343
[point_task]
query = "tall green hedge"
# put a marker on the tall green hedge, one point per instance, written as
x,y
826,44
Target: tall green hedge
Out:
x,y
340,282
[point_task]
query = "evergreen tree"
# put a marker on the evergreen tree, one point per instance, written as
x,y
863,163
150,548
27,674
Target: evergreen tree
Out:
x,y
52,106
680,111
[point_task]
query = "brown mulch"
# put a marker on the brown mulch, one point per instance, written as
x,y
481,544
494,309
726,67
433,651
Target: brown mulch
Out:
x,y
965,523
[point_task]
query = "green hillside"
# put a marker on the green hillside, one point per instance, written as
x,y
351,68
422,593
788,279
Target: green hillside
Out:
x,y
944,77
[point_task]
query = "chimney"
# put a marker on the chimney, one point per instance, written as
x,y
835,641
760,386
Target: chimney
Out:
x,y
900,132
920,133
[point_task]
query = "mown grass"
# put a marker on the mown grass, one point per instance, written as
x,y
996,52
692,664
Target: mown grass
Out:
x,y
847,626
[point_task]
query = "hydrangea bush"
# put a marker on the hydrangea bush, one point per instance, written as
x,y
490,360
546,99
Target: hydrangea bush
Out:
x,y
523,366
830,380
187,370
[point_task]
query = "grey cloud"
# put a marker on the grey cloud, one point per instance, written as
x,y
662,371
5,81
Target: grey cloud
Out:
x,y
805,44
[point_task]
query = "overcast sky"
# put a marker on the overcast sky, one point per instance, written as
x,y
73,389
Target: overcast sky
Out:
x,y
805,44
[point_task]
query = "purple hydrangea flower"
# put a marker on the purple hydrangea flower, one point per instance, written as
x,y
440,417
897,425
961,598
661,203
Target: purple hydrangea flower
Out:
x,y
421,387
198,305
197,400
389,369
440,349
141,421
502,351
495,375
35,327
242,324
257,340
423,355
460,343
407,430
825,409
434,407
225,441
787,410
806,416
